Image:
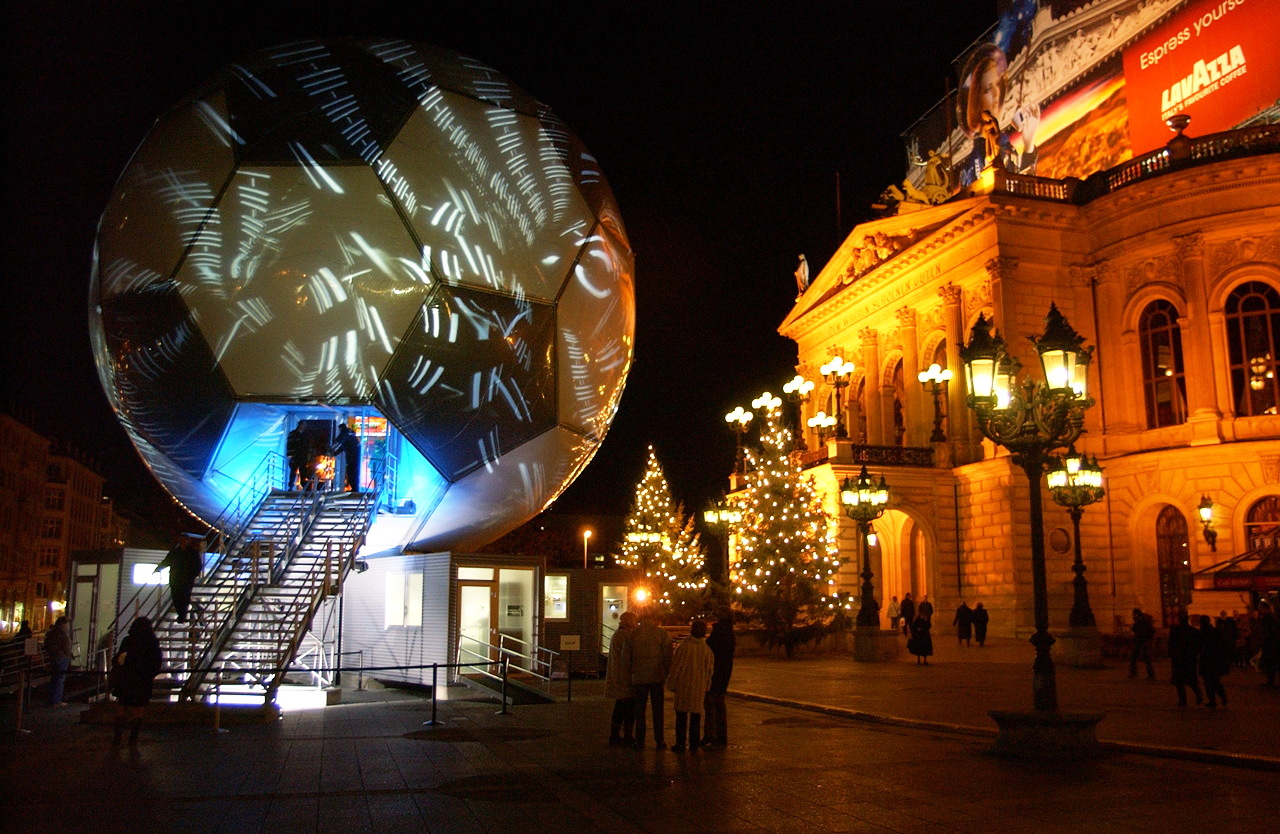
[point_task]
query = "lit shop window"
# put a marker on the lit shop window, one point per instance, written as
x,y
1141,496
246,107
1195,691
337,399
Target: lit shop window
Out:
x,y
555,602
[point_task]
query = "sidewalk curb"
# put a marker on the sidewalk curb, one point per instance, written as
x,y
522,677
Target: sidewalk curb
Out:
x,y
1240,760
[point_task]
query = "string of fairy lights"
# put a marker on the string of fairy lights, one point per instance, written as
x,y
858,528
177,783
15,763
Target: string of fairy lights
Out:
x,y
787,542
660,539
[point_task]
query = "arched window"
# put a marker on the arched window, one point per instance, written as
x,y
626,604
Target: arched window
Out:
x,y
899,397
1163,380
1174,560
1253,330
940,358
1262,524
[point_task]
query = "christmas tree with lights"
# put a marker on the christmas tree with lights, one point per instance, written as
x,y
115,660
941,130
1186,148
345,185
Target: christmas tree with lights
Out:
x,y
787,549
662,541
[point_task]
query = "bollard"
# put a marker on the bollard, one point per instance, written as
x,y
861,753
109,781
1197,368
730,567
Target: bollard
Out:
x,y
503,711
22,692
433,722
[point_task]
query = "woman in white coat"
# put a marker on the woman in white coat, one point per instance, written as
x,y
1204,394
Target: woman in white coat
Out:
x,y
689,679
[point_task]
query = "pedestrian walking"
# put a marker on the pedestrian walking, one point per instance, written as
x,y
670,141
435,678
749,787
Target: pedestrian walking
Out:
x,y
57,647
617,684
1184,650
908,612
1269,638
723,644
1144,632
894,611
297,448
980,620
184,561
1230,636
690,680
920,643
1215,662
648,660
348,445
133,674
925,609
963,622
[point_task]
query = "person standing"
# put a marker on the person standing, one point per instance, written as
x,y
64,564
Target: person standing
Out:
x,y
1215,662
925,609
297,448
1143,633
349,445
57,645
184,561
723,644
1184,648
690,680
894,612
963,621
921,643
980,620
648,659
617,684
908,612
133,676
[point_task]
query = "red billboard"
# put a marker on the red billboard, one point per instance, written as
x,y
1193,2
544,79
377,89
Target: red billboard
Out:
x,y
1215,60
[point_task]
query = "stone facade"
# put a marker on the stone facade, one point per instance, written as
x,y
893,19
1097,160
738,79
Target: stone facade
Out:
x,y
1189,235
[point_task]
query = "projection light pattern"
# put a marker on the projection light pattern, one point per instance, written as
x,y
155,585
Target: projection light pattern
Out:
x,y
371,224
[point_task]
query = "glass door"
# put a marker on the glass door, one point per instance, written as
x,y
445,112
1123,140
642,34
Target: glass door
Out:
x,y
475,622
613,602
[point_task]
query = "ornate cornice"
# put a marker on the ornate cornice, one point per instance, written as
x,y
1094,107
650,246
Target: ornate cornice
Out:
x,y
1163,269
869,337
906,316
1189,246
950,294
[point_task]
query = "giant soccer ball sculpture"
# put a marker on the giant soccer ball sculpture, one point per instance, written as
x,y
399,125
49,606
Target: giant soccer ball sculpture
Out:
x,y
377,233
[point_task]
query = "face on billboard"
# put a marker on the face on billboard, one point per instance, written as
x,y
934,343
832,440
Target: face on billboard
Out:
x,y
1048,94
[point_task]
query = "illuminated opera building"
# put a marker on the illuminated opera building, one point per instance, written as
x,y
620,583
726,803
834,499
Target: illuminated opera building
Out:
x,y
1063,171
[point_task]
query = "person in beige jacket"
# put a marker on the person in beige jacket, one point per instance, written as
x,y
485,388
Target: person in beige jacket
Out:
x,y
690,678
617,684
647,658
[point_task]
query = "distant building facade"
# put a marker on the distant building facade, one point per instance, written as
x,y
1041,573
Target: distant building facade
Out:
x,y
1171,268
51,505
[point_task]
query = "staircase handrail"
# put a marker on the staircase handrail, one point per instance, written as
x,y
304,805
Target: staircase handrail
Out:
x,y
245,503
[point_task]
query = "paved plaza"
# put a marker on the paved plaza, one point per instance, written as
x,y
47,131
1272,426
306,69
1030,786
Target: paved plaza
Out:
x,y
880,747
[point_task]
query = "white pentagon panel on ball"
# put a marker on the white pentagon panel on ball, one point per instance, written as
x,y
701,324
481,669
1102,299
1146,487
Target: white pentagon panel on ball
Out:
x,y
303,281
374,234
596,340
491,200
495,500
164,195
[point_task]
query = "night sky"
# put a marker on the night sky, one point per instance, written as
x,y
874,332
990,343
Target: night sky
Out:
x,y
720,127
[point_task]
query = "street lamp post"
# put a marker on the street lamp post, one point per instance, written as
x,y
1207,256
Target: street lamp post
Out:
x,y
933,380
837,372
740,421
722,516
1075,482
864,501
586,536
798,390
822,424
1031,420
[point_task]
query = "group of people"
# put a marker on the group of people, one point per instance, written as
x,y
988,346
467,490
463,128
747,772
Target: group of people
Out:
x,y
916,622
303,455
1204,651
643,666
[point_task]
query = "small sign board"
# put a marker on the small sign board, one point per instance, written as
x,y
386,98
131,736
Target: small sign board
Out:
x,y
570,642
31,647
515,610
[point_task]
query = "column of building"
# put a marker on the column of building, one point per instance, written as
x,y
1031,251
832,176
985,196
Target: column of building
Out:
x,y
1208,393
919,412
873,401
959,420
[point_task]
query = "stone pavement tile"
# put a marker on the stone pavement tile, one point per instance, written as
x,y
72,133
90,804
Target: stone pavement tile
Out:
x,y
347,811
290,812
240,816
395,811
444,814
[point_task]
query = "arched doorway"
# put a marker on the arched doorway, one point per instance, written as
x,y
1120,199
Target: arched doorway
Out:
x,y
1173,557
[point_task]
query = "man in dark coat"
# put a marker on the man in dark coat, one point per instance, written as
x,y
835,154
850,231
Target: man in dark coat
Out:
x,y
297,448
349,445
920,643
184,562
1143,633
908,610
1184,648
1215,661
723,644
925,609
1269,629
963,621
980,620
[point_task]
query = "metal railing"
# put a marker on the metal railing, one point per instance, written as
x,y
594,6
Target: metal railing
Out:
x,y
535,661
